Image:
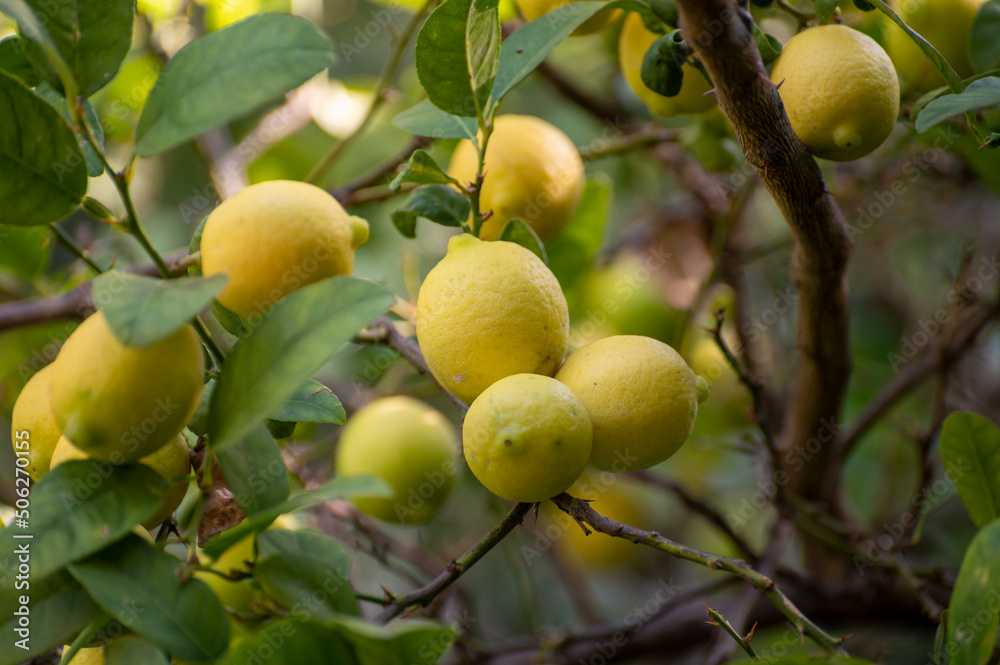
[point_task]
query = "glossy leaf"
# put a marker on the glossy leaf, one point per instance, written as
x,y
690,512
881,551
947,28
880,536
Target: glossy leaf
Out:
x,y
970,452
517,231
227,74
425,119
14,61
43,175
411,641
972,614
94,165
312,403
979,94
291,641
438,203
24,250
984,42
141,587
131,650
255,471
423,170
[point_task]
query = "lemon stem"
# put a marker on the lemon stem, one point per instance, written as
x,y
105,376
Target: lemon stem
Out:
x,y
85,636
475,191
66,241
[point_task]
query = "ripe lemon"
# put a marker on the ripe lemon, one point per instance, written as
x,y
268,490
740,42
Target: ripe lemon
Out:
x,y
120,403
409,445
633,43
170,461
527,438
93,656
532,171
615,500
33,414
641,396
840,91
489,310
946,24
275,237
533,9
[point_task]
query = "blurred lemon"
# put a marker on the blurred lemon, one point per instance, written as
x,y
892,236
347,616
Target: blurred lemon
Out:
x,y
32,417
533,9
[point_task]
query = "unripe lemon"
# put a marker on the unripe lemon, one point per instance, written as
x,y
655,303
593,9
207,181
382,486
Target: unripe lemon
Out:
x,y
533,9
946,24
33,414
633,43
170,461
532,171
527,438
410,446
120,403
490,310
93,656
275,237
839,89
641,396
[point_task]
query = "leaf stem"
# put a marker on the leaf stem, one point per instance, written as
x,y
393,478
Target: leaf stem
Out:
x,y
85,636
67,241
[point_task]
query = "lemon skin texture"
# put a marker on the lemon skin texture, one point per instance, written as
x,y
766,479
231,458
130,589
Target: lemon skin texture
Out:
x,y
946,24
170,461
489,310
532,171
533,9
633,43
641,396
275,237
119,403
409,445
527,438
93,656
33,414
840,91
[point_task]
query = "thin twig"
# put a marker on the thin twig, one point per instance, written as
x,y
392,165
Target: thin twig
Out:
x,y
67,241
380,173
743,642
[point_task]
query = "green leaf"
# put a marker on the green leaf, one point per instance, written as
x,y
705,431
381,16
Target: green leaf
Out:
x,y
940,635
24,250
573,252
666,11
421,169
141,586
928,507
517,231
824,9
43,176
768,45
305,569
59,608
227,74
405,641
312,403
80,507
297,642
970,452
14,61
130,650
457,53
255,471
425,119
984,42
972,613
94,165
295,338
661,65
947,71
981,93
339,488
438,203
144,310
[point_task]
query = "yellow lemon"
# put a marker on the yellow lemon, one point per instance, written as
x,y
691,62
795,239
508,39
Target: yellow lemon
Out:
x,y
633,43
93,656
33,424
532,171
641,396
490,310
839,89
615,500
120,403
170,461
533,9
946,24
409,445
527,438
275,237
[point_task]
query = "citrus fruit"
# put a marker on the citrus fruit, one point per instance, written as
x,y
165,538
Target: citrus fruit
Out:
x,y
121,403
275,237
946,24
641,396
409,445
532,171
633,43
32,421
527,438
616,500
533,9
170,461
93,656
489,310
839,89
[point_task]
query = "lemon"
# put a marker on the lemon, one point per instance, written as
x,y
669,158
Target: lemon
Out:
x,y
490,310
615,500
275,237
839,89
533,9
33,422
946,24
641,396
93,656
120,403
527,438
170,461
409,445
532,171
633,43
